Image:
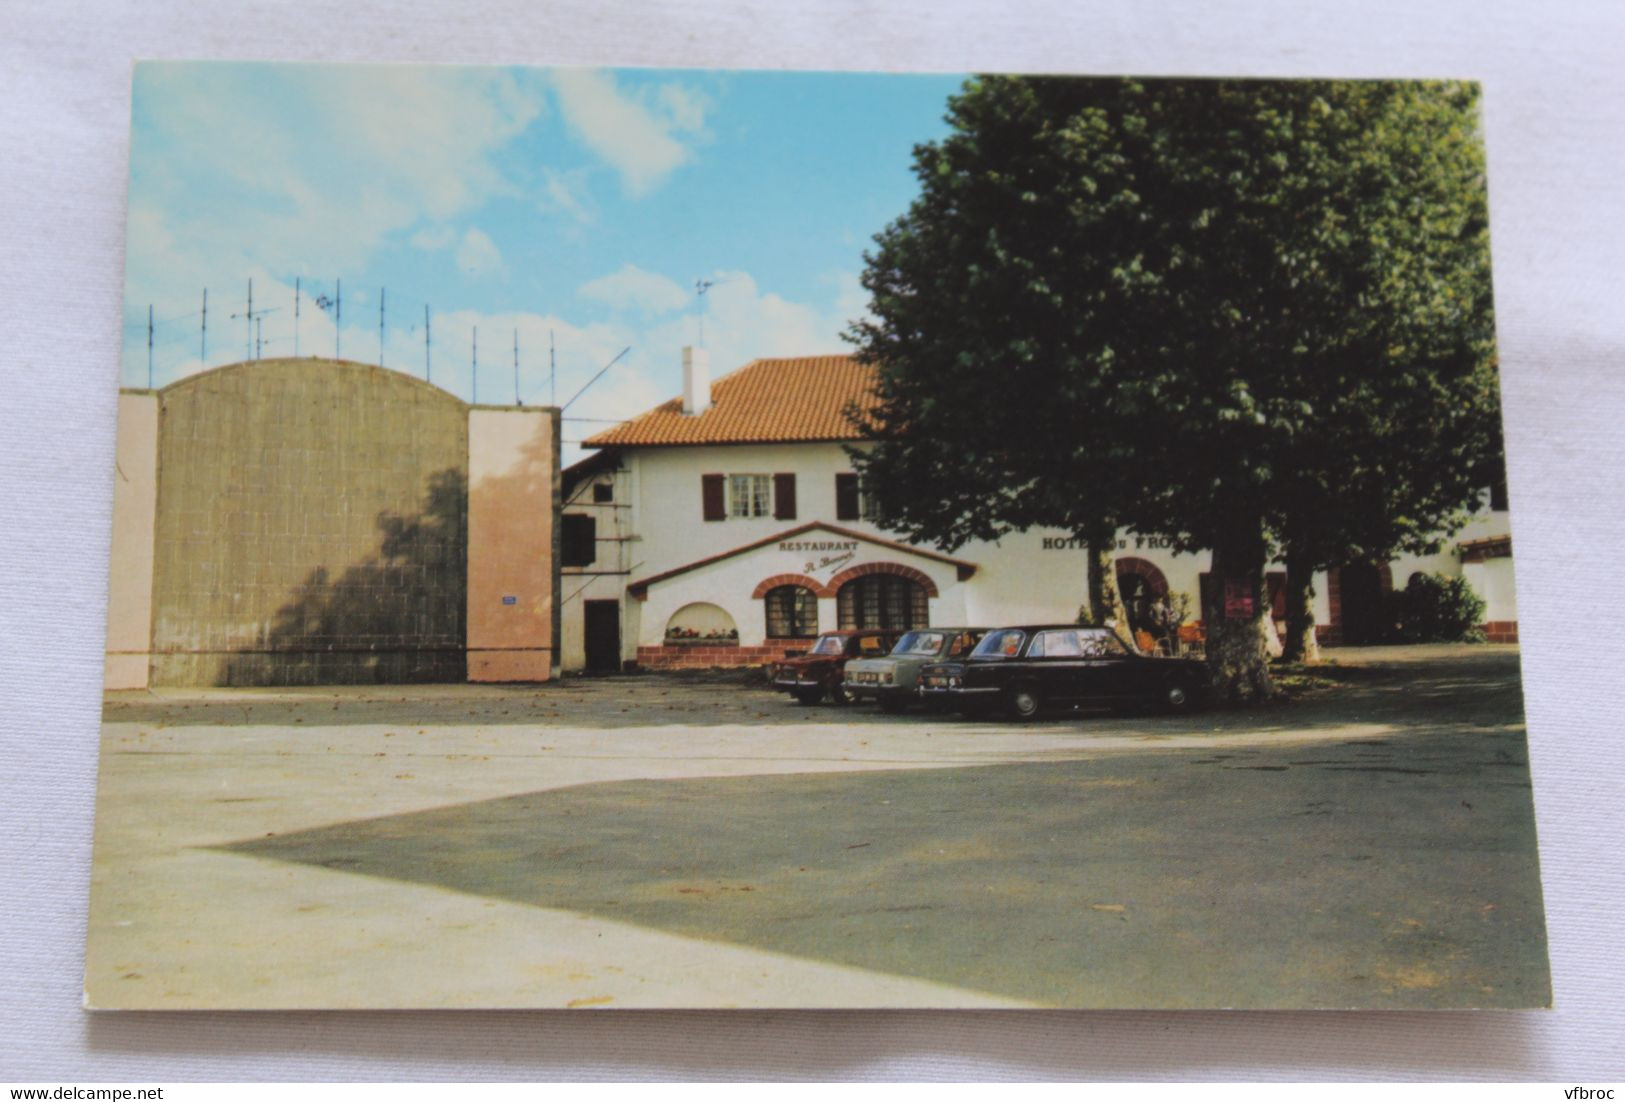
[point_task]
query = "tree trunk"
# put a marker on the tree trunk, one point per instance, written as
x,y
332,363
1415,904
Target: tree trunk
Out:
x,y
1302,644
1237,649
1105,601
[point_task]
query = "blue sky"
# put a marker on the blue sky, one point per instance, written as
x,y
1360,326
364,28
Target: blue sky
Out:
x,y
581,203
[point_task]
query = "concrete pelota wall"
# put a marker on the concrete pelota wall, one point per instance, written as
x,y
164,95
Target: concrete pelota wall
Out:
x,y
310,527
513,578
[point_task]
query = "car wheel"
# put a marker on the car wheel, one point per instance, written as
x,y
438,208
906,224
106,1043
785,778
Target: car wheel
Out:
x,y
838,694
1178,696
809,697
1022,702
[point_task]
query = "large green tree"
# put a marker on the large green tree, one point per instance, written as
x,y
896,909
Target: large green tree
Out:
x,y
1239,315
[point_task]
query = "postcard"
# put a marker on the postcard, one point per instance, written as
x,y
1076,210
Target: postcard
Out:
x,y
680,538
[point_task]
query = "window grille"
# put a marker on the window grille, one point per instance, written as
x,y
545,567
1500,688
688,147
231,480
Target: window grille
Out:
x,y
749,495
792,612
883,601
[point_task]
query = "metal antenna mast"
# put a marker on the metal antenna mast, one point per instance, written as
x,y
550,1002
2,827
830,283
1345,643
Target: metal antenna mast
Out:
x,y
596,377
338,320
149,346
516,400
296,317
203,333
552,372
428,367
382,291
474,368
701,286
251,319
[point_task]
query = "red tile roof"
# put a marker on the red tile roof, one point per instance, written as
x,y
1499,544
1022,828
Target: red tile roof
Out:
x,y
800,398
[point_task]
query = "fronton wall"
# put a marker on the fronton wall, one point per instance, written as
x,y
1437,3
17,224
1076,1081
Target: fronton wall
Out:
x,y
310,527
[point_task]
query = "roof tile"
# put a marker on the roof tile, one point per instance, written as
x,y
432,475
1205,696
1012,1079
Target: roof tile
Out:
x,y
799,398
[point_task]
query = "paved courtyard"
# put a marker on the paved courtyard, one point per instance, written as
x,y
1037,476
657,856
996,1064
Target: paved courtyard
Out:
x,y
661,841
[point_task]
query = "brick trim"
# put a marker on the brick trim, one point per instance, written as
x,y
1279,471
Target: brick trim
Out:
x,y
640,589
898,569
1154,577
721,656
766,584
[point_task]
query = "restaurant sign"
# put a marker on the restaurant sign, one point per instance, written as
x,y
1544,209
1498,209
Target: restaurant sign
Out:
x,y
822,554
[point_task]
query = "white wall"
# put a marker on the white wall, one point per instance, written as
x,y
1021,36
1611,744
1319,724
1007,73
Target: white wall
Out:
x,y
1034,576
605,579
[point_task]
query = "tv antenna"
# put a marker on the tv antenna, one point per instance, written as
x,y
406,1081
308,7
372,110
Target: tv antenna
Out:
x,y
701,286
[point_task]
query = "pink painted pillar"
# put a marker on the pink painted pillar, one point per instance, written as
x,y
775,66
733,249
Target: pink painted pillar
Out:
x,y
513,577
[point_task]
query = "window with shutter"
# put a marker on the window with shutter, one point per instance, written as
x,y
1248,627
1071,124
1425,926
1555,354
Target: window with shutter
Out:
x,y
846,497
713,497
784,497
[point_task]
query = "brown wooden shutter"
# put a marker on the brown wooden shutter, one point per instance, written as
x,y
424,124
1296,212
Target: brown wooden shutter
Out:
x,y
846,497
712,497
784,497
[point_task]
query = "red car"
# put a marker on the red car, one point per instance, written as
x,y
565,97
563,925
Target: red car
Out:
x,y
819,670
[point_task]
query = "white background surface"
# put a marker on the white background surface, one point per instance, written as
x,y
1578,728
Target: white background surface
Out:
x,y
1555,108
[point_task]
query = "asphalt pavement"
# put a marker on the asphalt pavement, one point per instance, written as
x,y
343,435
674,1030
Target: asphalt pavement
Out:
x,y
671,841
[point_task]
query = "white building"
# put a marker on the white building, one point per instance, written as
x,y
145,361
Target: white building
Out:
x,y
727,526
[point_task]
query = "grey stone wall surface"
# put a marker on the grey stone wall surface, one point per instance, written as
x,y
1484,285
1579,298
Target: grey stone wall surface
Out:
x,y
311,527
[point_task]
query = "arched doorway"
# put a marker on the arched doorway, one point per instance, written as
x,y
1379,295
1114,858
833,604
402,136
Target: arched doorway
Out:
x,y
883,600
1141,584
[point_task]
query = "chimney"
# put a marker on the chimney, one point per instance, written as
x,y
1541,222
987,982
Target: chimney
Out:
x,y
696,380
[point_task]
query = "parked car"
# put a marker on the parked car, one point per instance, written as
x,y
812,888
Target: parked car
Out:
x,y
1026,669
819,671
894,680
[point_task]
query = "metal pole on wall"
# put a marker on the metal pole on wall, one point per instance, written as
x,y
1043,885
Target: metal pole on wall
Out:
x,y
428,366
338,319
149,346
203,333
296,317
248,323
474,368
382,291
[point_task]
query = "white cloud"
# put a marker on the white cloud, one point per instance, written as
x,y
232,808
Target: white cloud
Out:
x,y
632,288
683,106
479,256
249,167
433,238
566,192
635,134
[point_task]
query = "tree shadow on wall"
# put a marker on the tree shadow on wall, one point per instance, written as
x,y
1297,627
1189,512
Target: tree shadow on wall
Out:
x,y
399,616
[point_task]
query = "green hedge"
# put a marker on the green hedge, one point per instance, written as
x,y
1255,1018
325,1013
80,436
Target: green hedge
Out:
x,y
1437,608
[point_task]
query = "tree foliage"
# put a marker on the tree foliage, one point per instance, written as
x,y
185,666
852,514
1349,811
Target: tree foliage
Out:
x,y
1233,314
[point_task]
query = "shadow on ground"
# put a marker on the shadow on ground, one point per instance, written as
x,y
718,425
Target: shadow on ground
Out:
x,y
1374,873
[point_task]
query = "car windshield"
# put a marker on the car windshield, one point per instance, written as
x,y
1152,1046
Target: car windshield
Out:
x,y
828,644
920,642
1000,644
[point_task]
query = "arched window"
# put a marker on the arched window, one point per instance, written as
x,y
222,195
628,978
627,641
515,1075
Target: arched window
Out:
x,y
792,612
883,601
